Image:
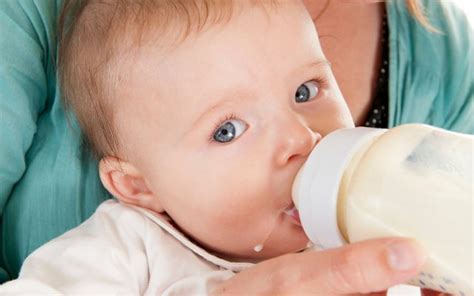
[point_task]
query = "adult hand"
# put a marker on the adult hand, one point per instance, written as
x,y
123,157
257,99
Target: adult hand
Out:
x,y
359,268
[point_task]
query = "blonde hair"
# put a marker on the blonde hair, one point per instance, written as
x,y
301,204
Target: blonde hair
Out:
x,y
96,34
417,10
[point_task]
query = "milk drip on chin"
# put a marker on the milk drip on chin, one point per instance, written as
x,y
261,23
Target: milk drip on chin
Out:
x,y
259,247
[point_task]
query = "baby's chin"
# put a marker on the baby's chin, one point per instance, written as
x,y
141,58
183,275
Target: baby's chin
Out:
x,y
297,244
274,247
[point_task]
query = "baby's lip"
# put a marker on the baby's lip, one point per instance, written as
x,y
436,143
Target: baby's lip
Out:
x,y
293,213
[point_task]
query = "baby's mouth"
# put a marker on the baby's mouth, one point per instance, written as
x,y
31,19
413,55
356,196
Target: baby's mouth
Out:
x,y
293,213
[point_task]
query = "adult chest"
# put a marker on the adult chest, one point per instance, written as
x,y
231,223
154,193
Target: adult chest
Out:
x,y
350,35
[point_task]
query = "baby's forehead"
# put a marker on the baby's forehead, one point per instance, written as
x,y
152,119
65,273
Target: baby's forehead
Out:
x,y
139,22
222,59
152,37
219,66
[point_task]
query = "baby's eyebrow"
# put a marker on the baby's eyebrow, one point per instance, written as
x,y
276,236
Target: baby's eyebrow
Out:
x,y
233,96
237,94
317,63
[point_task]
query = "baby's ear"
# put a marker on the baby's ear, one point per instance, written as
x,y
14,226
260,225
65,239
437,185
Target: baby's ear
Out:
x,y
127,184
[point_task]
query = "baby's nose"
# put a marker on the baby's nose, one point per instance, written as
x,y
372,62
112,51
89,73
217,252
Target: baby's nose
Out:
x,y
296,141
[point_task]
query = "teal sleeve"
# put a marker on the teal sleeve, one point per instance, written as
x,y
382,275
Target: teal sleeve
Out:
x,y
23,87
431,73
460,72
48,180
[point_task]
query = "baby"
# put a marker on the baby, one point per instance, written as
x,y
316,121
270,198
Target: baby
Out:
x,y
201,112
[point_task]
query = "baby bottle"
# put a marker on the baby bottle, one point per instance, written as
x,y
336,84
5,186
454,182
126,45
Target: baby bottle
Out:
x,y
413,181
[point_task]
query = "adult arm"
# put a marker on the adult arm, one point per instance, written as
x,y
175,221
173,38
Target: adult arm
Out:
x,y
364,267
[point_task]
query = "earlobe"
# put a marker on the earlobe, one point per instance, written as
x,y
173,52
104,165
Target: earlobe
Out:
x,y
126,183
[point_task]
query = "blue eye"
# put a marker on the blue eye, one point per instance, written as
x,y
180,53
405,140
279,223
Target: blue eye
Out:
x,y
307,91
229,131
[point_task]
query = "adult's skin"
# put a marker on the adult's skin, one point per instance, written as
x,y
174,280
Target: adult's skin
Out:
x,y
354,25
365,267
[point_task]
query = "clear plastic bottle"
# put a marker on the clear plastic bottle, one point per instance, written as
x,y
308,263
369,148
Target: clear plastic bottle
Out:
x,y
412,181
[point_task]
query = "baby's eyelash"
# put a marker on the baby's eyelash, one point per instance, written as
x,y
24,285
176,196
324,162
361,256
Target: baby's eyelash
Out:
x,y
224,119
221,122
321,80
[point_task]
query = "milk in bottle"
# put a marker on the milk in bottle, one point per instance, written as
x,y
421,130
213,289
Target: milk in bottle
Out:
x,y
412,181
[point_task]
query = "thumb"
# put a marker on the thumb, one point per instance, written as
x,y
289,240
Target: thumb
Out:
x,y
368,266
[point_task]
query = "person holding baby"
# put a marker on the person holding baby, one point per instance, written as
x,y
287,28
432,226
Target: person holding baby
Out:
x,y
201,114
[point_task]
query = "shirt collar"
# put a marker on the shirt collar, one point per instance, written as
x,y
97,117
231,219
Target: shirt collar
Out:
x,y
164,222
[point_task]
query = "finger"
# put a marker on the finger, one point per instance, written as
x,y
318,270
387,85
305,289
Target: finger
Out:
x,y
363,267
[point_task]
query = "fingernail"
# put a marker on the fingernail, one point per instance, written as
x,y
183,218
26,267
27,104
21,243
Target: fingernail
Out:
x,y
404,255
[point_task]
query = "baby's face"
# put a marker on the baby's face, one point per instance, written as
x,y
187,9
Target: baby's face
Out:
x,y
218,127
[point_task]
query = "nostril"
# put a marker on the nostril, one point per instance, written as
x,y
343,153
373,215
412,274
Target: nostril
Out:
x,y
290,159
295,157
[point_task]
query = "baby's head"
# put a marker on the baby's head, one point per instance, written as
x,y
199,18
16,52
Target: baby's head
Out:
x,y
204,110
